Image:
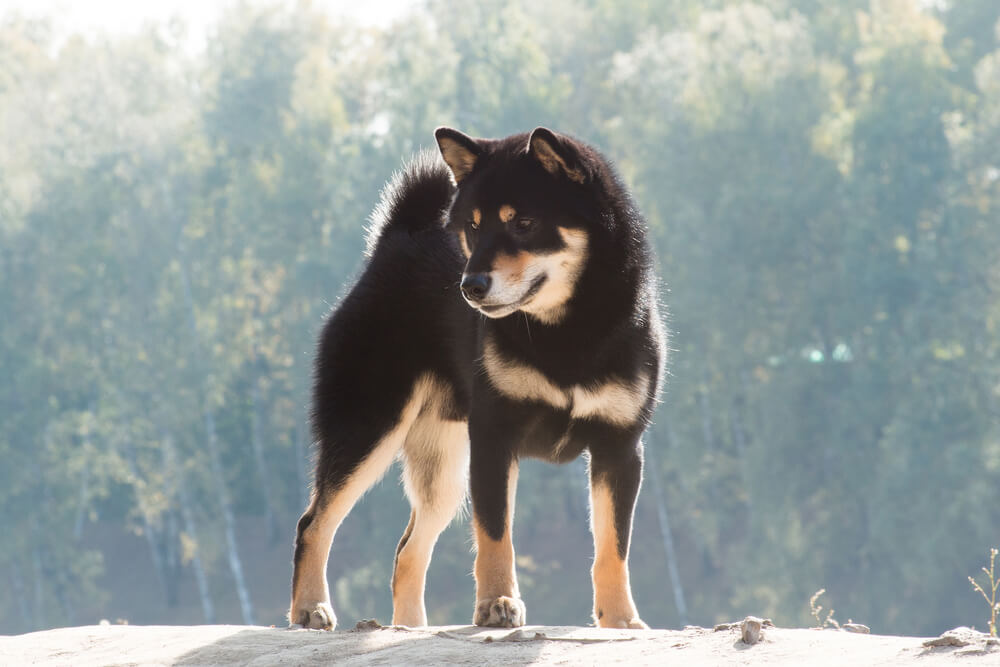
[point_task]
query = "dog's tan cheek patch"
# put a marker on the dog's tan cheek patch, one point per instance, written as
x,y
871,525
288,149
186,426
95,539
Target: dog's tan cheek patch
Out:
x,y
511,267
507,213
575,239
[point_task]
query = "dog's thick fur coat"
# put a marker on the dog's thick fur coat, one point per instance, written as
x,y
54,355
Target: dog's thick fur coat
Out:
x,y
508,309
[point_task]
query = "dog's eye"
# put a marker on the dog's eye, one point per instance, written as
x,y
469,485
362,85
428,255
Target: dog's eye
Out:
x,y
472,224
524,224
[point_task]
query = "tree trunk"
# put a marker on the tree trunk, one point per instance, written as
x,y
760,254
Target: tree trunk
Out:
x,y
190,527
60,585
708,433
653,475
148,529
171,557
739,437
256,441
228,520
17,586
81,504
301,456
704,403
36,566
215,462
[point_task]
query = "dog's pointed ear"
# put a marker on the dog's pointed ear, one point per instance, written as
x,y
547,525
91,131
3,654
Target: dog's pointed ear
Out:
x,y
459,151
556,154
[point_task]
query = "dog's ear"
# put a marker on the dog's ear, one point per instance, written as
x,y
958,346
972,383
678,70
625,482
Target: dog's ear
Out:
x,y
556,154
459,151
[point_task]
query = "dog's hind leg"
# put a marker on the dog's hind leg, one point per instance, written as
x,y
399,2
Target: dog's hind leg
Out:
x,y
435,475
329,505
343,475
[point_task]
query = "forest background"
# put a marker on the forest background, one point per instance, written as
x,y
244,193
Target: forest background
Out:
x,y
822,185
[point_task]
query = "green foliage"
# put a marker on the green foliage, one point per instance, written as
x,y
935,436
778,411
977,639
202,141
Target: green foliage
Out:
x,y
822,187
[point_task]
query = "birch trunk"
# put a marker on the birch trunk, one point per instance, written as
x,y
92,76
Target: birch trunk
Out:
x,y
190,527
17,585
301,456
256,441
653,474
171,557
81,504
739,437
36,566
215,464
148,529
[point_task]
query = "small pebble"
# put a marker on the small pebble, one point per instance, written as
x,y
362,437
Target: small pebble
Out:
x,y
368,624
857,627
750,629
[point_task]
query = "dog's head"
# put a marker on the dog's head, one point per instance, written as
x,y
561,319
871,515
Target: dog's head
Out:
x,y
521,216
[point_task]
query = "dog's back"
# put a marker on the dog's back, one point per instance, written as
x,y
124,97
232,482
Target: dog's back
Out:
x,y
399,319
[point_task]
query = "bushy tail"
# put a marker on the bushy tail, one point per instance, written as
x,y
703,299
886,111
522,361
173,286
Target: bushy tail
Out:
x,y
416,198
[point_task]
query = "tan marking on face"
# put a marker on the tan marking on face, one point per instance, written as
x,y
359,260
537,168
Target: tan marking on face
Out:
x,y
495,570
507,213
464,242
520,381
477,218
459,159
618,402
613,604
511,267
563,269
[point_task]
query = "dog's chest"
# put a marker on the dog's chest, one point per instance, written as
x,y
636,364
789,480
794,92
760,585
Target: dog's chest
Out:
x,y
617,401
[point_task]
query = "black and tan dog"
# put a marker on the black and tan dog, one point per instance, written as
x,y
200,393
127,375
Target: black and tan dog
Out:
x,y
513,315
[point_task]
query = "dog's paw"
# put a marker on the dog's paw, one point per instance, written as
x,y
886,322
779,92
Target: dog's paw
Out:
x,y
501,612
319,617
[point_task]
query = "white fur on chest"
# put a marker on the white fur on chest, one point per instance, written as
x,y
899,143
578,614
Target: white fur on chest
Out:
x,y
618,401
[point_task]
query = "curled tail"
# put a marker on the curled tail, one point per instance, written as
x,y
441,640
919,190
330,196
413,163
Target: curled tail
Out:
x,y
415,199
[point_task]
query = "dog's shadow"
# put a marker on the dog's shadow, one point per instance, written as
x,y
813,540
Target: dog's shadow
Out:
x,y
453,645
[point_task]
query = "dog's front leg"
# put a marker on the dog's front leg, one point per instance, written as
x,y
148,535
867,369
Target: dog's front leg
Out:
x,y
493,480
615,474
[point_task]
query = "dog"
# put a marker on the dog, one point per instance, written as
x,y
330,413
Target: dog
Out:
x,y
508,309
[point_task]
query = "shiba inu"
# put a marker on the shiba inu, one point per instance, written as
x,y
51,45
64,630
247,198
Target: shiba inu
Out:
x,y
508,309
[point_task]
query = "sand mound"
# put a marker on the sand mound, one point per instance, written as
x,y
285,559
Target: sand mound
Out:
x,y
464,645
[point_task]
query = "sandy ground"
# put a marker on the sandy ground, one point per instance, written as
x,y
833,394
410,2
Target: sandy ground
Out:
x,y
465,645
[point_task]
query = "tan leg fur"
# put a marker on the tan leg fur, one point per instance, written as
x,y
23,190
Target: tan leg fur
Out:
x,y
498,600
613,605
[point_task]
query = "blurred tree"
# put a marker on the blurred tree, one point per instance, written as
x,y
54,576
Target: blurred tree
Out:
x,y
821,183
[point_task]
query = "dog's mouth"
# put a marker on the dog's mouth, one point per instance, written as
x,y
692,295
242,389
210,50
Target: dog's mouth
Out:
x,y
500,310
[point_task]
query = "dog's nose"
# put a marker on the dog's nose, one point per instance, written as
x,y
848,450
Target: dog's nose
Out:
x,y
475,286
